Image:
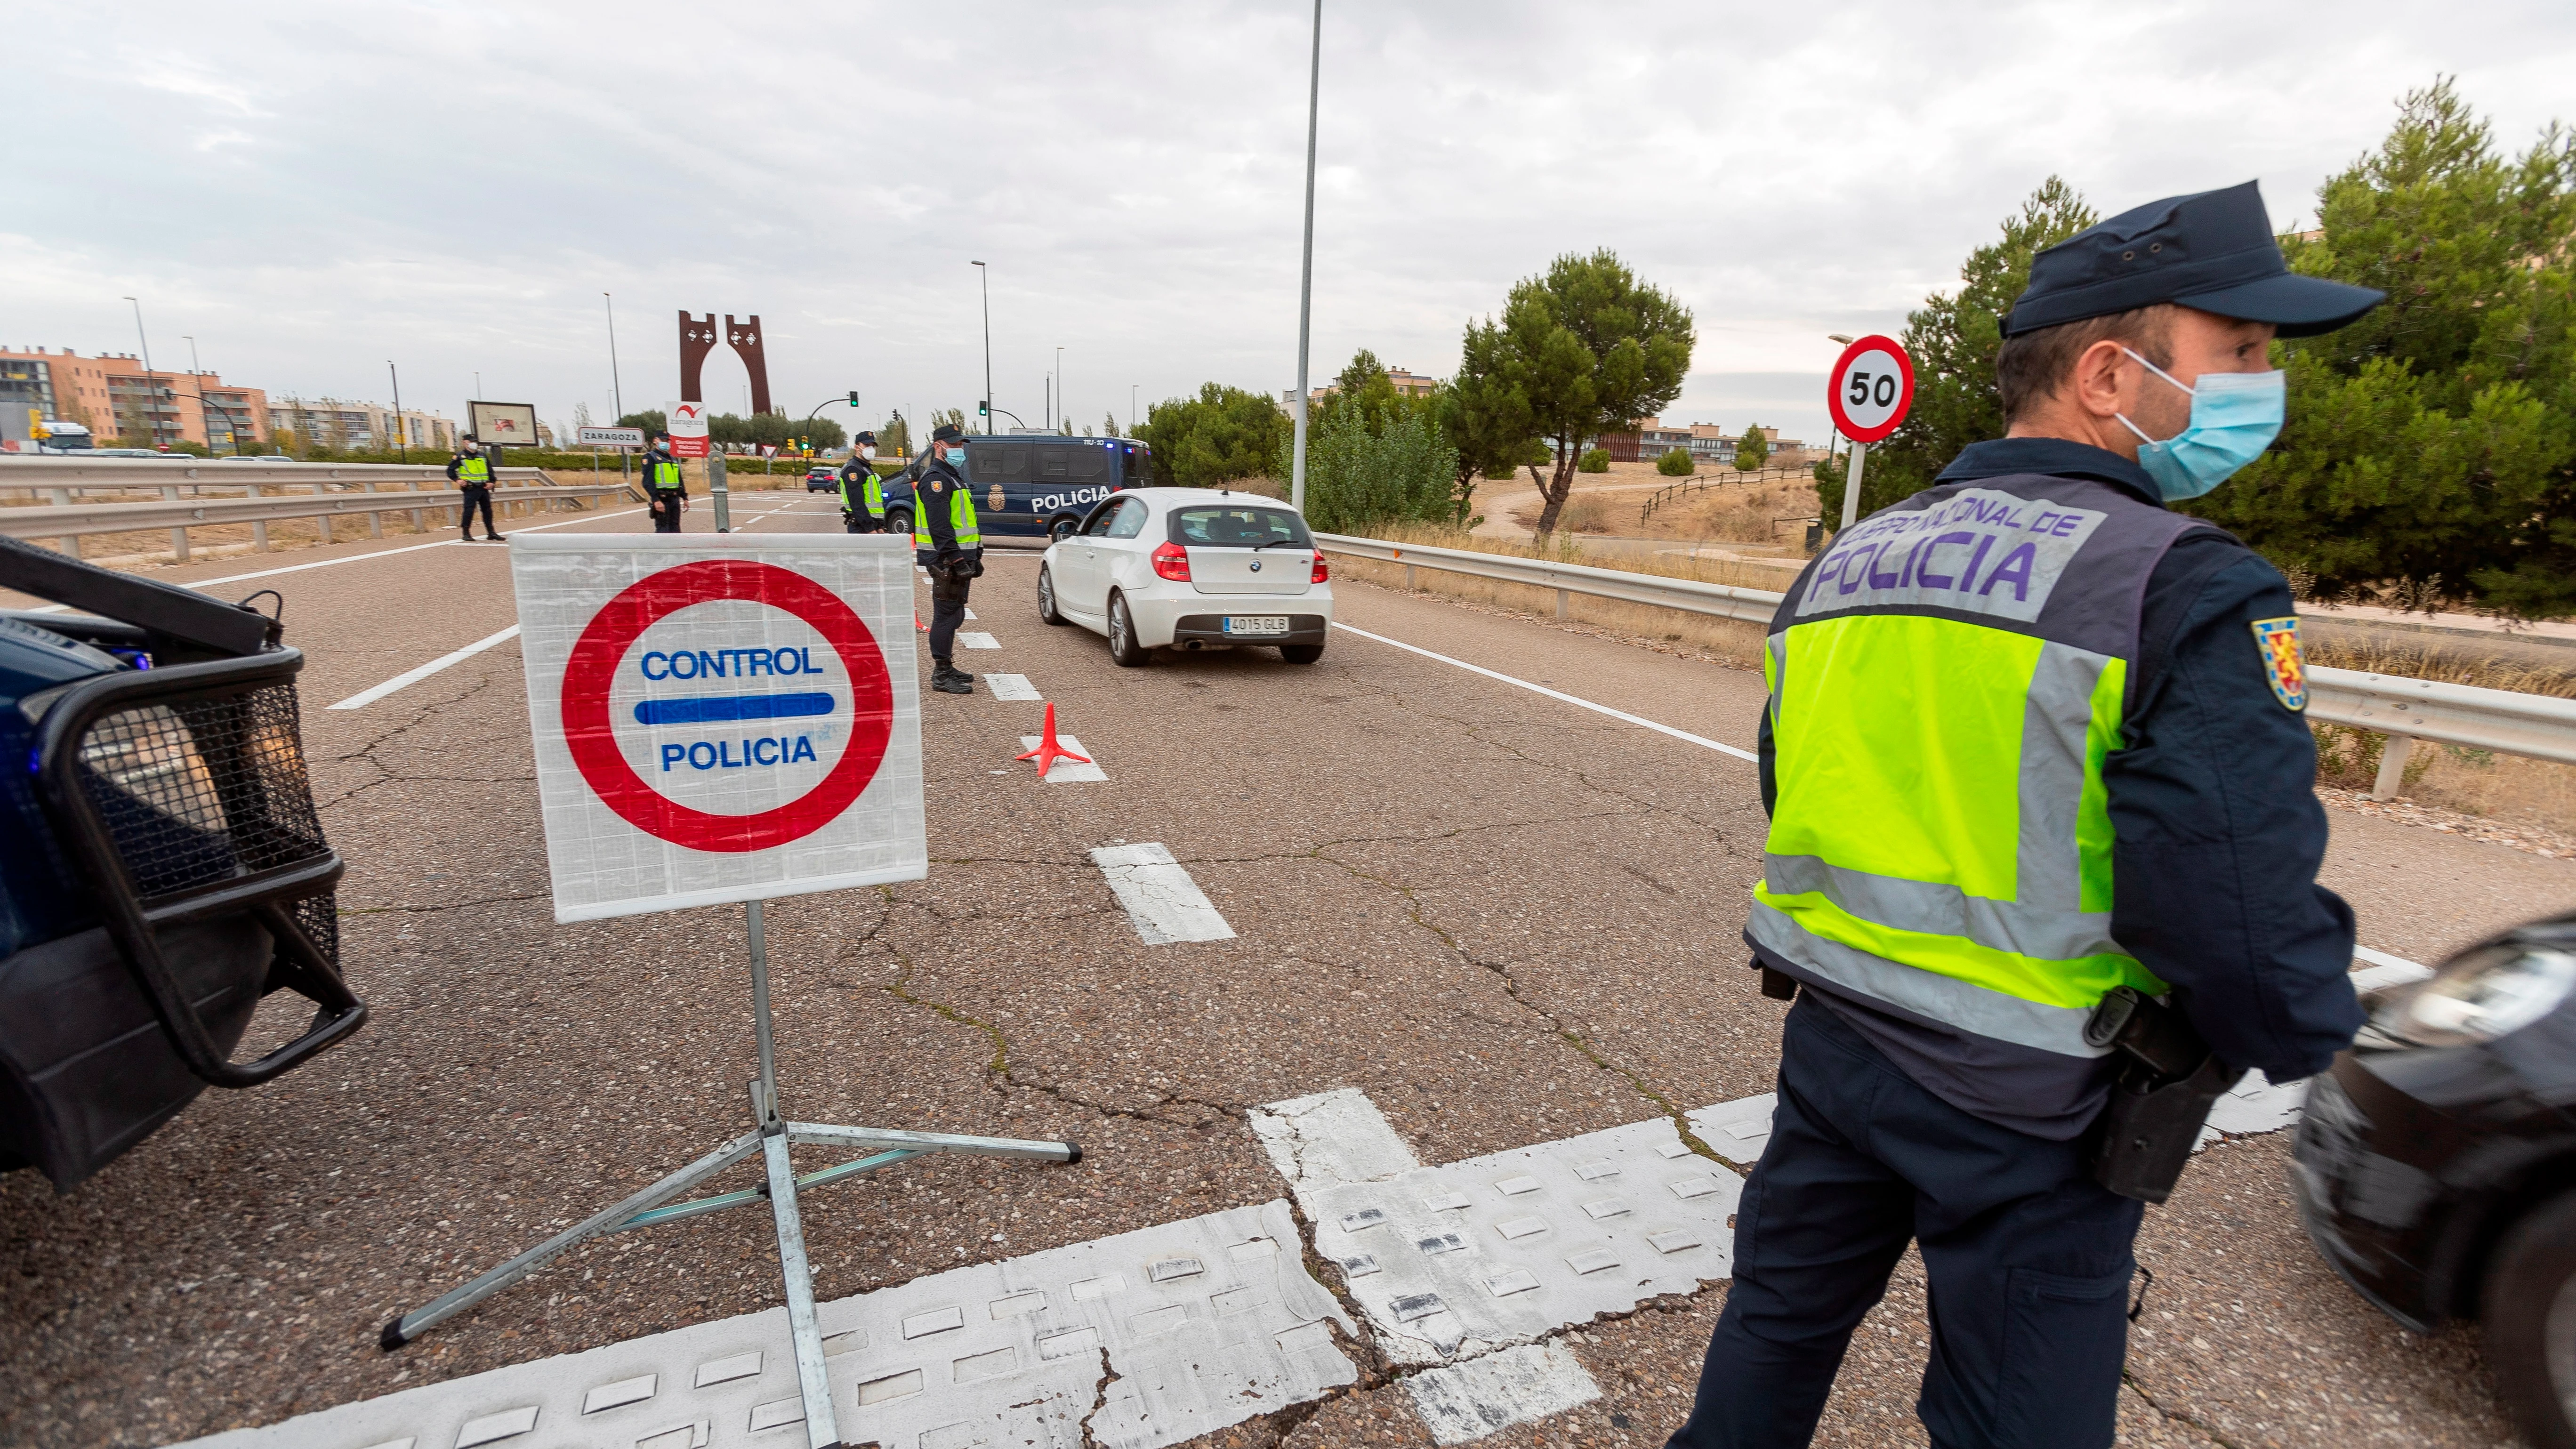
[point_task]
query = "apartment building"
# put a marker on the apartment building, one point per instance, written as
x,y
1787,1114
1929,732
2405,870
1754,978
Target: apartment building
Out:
x,y
114,395
341,425
1406,385
1707,442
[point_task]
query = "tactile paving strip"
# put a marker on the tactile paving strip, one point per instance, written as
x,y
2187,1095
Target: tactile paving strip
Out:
x,y
1207,1322
1463,1258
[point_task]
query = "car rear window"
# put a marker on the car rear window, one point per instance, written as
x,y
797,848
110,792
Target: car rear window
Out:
x,y
1237,526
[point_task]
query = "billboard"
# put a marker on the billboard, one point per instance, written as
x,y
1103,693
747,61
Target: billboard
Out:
x,y
500,424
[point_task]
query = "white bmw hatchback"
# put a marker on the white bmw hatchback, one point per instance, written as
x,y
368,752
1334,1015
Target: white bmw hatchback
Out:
x,y
1190,568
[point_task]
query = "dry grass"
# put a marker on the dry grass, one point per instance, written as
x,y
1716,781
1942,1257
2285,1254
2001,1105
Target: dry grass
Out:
x,y
2451,777
2448,777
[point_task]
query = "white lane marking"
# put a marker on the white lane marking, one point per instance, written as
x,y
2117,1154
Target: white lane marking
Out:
x,y
324,564
585,518
1000,1353
979,641
1463,1402
1331,1138
1012,686
1067,772
410,677
1165,904
1736,1130
2383,959
1619,714
970,616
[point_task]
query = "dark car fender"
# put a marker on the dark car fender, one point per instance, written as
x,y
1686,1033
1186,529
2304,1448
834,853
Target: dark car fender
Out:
x,y
2488,1189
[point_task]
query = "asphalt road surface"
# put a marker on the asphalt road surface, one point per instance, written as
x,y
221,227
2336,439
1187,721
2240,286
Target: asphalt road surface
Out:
x,y
1499,918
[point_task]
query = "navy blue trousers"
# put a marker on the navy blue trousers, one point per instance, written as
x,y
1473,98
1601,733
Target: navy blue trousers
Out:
x,y
2028,1258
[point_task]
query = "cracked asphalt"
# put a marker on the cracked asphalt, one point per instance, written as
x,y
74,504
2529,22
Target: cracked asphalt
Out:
x,y
1506,919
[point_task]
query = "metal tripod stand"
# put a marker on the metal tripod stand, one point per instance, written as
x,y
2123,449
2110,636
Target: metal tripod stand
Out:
x,y
770,1138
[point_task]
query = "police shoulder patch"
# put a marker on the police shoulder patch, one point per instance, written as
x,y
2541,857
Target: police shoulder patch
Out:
x,y
2278,640
936,486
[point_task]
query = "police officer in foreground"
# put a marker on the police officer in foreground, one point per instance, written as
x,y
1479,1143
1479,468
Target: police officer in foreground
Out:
x,y
2034,757
862,492
471,472
665,487
948,540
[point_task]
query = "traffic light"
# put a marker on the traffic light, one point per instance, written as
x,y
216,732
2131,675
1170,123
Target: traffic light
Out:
x,y
984,409
854,397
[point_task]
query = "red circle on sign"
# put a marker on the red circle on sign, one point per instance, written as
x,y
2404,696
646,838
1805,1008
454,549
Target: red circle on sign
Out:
x,y
1838,381
614,630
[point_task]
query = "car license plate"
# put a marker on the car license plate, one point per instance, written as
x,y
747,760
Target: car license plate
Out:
x,y
1257,624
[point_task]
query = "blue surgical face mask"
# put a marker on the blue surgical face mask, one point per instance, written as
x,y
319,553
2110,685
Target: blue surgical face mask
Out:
x,y
956,455
2234,417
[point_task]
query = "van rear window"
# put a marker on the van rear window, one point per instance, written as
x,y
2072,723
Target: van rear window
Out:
x,y
1238,527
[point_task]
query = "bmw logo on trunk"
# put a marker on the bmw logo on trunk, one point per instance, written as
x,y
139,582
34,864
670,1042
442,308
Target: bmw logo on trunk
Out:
x,y
1256,566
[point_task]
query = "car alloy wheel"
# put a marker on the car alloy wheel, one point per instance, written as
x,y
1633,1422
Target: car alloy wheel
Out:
x,y
898,521
1123,650
1047,611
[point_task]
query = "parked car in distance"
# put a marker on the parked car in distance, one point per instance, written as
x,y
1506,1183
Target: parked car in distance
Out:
x,y
823,478
2435,1164
1191,569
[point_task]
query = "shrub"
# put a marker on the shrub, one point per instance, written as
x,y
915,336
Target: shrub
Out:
x,y
1675,464
1595,461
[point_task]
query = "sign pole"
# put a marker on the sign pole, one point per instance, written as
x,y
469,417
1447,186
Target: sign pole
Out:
x,y
716,486
1858,455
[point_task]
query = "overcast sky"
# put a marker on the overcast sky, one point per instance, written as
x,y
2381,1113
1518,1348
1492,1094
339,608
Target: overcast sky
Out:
x,y
312,189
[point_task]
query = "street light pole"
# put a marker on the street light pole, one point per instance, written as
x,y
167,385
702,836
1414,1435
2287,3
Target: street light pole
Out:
x,y
1306,271
1060,424
1131,408
984,280
616,389
402,434
197,373
151,383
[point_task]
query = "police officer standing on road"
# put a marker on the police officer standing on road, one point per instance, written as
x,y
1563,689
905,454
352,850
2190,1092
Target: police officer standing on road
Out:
x,y
2034,747
948,540
471,472
862,492
665,486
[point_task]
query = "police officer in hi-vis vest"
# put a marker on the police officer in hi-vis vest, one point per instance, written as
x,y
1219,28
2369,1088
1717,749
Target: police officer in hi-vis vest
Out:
x,y
948,540
2035,761
664,486
471,472
862,492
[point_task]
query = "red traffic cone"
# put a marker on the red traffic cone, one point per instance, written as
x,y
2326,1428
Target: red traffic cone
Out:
x,y
1048,751
919,627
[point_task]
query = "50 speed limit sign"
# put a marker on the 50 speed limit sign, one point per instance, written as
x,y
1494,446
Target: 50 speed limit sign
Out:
x,y
1870,388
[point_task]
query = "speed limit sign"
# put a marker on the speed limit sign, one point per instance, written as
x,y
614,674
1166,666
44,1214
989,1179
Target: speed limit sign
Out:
x,y
1870,388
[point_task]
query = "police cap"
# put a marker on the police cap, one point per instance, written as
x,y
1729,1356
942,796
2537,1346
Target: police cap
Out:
x,y
947,433
868,438
2212,250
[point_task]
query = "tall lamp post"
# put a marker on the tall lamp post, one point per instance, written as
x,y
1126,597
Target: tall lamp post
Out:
x,y
1306,271
1131,408
402,433
1060,425
151,382
205,419
616,389
984,281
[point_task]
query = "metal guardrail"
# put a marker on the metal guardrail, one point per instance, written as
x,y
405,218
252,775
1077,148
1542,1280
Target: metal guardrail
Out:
x,y
338,490
2539,726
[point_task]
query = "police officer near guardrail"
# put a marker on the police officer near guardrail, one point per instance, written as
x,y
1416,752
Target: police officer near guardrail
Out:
x,y
471,472
2041,874
862,492
666,489
948,540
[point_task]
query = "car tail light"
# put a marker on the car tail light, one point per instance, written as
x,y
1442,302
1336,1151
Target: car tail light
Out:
x,y
1171,561
1323,575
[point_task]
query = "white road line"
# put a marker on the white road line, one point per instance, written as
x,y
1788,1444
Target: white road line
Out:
x,y
2382,958
1068,772
979,641
970,616
1165,904
1012,686
1464,1402
366,697
1619,714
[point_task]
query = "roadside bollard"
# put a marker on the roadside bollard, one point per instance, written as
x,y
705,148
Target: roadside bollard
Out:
x,y
2392,767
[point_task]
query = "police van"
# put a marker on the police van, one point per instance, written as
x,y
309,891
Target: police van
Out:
x,y
1033,486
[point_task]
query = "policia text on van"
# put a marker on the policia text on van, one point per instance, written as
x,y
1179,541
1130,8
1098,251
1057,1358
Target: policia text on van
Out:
x,y
2034,744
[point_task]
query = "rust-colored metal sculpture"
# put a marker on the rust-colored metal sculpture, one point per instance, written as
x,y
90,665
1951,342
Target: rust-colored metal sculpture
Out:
x,y
698,337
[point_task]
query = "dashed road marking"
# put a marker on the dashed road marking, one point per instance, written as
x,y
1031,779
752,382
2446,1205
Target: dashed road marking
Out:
x,y
1463,1402
1161,899
414,676
979,641
1012,686
1618,714
1068,772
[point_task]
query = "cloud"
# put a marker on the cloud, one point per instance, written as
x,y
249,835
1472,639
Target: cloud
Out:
x,y
1133,173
